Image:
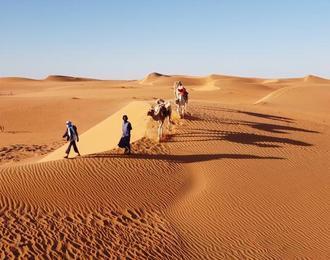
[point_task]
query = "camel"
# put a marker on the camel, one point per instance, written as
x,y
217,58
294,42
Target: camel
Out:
x,y
182,105
160,112
181,98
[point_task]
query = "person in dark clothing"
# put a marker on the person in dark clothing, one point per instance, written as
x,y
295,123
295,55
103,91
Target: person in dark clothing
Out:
x,y
71,135
126,135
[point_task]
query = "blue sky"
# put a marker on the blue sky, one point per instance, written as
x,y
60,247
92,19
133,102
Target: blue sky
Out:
x,y
127,39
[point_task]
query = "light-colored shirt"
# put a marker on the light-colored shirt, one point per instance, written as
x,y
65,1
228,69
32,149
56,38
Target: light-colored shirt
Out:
x,y
127,127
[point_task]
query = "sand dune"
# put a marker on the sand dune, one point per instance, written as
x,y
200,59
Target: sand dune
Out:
x,y
252,193
315,79
14,79
95,206
309,100
209,87
234,179
249,89
66,78
105,135
161,79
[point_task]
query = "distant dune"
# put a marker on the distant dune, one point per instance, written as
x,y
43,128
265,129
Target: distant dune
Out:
x,y
305,99
48,78
67,78
15,79
162,79
315,79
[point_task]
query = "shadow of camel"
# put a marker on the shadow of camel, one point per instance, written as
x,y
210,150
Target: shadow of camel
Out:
x,y
266,116
261,140
278,128
236,137
281,129
183,158
191,117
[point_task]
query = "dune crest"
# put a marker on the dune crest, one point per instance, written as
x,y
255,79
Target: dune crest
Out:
x,y
15,79
67,78
152,77
105,135
298,98
315,79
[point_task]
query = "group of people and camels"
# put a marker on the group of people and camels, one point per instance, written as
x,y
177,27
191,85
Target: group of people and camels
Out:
x,y
162,110
159,112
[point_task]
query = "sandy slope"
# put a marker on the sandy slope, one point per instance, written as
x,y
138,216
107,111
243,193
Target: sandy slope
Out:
x,y
103,205
105,135
233,181
259,186
312,99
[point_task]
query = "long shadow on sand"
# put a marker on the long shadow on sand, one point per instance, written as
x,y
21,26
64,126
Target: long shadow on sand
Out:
x,y
201,135
260,140
276,128
183,158
261,115
272,128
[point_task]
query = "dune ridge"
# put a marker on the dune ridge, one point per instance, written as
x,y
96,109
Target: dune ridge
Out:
x,y
159,78
312,101
315,79
105,135
15,79
67,78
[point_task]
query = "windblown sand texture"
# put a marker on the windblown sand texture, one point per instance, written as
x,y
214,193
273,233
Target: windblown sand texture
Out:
x,y
244,176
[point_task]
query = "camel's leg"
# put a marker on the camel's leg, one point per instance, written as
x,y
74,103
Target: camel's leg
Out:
x,y
181,111
160,131
169,123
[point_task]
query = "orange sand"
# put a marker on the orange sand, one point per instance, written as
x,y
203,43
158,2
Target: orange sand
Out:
x,y
244,176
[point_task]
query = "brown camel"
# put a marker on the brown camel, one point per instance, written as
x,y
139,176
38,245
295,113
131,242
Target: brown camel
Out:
x,y
160,112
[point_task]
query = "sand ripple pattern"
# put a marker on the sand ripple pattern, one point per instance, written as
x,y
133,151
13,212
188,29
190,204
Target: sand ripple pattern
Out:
x,y
133,234
230,183
257,186
103,206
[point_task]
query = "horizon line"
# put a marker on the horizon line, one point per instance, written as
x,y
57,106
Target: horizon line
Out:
x,y
77,77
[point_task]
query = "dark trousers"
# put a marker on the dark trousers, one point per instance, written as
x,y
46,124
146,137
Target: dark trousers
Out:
x,y
127,143
75,148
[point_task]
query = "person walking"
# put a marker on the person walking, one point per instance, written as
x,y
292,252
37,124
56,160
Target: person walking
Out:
x,y
71,135
126,135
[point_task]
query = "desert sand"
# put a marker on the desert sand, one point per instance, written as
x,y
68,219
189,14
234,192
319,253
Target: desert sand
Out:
x,y
245,175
